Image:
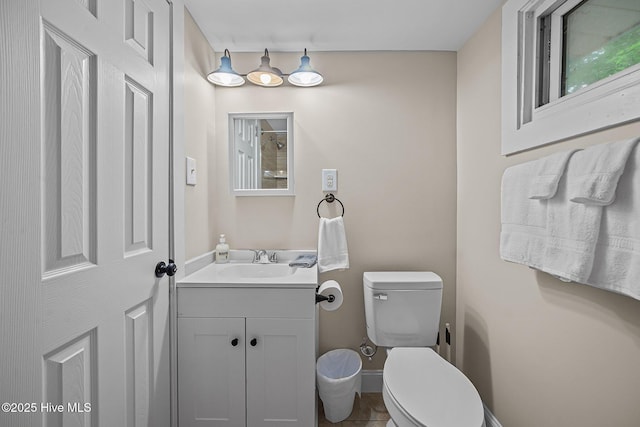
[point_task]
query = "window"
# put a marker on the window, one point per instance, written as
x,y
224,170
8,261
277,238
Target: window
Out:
x,y
600,38
569,67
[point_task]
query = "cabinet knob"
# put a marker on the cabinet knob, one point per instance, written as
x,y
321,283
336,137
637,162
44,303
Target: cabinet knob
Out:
x,y
254,342
234,342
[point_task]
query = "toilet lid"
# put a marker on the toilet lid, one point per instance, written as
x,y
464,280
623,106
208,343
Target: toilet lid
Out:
x,y
402,280
431,390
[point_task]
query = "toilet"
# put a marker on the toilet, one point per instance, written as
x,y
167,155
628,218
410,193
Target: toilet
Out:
x,y
420,388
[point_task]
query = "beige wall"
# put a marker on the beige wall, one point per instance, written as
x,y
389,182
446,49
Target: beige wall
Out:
x,y
199,127
393,143
541,352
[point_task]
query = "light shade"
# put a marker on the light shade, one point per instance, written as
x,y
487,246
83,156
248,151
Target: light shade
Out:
x,y
266,75
305,76
225,76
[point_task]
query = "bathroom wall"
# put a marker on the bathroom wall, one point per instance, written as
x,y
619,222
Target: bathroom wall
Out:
x,y
541,352
199,127
392,139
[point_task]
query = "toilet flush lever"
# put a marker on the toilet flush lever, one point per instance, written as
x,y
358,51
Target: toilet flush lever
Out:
x,y
381,297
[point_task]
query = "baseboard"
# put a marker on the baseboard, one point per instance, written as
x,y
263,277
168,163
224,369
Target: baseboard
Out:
x,y
490,420
194,264
372,381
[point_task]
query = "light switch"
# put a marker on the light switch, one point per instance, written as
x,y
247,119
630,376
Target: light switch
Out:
x,y
329,180
191,171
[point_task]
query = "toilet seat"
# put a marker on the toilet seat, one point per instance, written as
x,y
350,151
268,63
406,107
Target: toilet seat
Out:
x,y
420,388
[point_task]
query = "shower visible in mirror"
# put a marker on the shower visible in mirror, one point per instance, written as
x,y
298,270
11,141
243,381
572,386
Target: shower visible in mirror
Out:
x,y
261,154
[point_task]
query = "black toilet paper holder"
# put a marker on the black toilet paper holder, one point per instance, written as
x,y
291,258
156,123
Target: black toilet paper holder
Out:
x,y
320,298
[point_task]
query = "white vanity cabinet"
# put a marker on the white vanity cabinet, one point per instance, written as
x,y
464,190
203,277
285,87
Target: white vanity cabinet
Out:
x,y
246,356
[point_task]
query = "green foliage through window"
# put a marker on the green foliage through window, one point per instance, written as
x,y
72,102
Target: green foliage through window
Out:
x,y
616,55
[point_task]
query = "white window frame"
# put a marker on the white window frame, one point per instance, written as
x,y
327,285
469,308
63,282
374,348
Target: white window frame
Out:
x,y
608,102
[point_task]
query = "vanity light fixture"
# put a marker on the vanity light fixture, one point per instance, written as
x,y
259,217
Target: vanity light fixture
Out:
x,y
265,75
225,75
305,76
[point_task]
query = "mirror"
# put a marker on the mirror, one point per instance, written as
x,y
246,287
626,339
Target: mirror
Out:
x,y
261,154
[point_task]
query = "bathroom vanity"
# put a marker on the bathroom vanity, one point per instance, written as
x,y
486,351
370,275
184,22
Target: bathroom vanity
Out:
x,y
246,345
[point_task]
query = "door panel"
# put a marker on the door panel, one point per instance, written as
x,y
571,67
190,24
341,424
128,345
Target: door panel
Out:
x,y
139,21
69,149
139,363
246,153
71,376
99,326
138,165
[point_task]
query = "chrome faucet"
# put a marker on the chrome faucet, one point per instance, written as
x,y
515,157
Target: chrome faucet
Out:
x,y
261,256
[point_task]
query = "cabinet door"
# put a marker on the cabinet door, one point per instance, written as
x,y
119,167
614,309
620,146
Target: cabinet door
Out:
x,y
280,372
211,372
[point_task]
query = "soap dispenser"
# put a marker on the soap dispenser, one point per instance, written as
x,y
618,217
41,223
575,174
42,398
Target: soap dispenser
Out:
x,y
222,251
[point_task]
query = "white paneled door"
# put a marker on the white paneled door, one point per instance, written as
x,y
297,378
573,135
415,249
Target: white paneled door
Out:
x,y
85,326
246,154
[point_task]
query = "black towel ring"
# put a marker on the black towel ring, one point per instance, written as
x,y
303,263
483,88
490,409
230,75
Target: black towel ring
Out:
x,y
329,198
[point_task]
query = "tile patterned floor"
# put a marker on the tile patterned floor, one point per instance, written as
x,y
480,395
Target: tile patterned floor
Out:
x,y
368,411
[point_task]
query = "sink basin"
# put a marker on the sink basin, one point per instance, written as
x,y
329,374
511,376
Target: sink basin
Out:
x,y
241,272
254,271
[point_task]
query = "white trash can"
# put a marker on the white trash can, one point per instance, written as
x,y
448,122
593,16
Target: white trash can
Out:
x,y
338,374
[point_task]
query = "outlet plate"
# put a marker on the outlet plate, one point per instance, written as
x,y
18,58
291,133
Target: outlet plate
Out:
x,y
329,180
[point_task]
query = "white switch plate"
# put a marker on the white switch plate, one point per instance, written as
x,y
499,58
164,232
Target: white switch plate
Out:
x,y
191,171
329,180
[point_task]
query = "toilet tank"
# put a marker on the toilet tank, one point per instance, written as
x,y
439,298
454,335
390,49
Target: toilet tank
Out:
x,y
402,308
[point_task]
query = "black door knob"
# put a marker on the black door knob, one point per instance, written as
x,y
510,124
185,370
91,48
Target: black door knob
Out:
x,y
234,342
254,342
168,269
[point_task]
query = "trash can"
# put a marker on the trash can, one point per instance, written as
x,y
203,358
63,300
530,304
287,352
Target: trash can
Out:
x,y
338,374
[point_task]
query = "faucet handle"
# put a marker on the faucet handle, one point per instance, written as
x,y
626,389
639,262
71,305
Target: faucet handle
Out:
x,y
273,257
256,255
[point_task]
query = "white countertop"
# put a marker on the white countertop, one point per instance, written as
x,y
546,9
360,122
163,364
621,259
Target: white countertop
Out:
x,y
223,275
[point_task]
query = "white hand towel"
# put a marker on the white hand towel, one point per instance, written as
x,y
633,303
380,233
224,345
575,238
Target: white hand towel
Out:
x,y
333,253
549,171
523,229
600,168
616,266
572,229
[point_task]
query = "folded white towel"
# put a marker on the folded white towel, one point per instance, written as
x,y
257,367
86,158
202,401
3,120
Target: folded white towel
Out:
x,y
333,253
549,171
600,168
616,266
572,229
523,229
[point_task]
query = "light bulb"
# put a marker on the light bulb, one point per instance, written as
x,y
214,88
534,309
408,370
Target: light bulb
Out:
x,y
306,78
265,78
